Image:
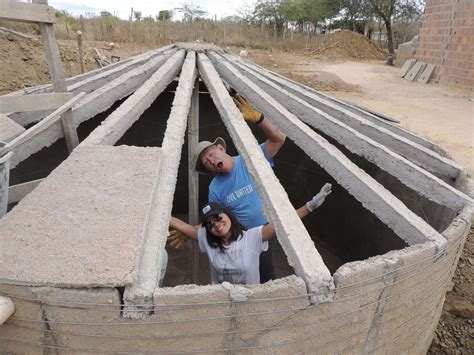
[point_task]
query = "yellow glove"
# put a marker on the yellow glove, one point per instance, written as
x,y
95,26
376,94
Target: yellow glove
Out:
x,y
177,239
249,113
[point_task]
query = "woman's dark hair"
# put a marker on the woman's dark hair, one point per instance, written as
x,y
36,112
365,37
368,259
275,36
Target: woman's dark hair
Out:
x,y
236,230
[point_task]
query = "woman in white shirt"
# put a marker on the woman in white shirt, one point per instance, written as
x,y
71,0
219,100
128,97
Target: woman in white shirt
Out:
x,y
234,252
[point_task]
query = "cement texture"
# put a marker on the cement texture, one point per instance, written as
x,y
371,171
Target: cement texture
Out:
x,y
85,222
9,129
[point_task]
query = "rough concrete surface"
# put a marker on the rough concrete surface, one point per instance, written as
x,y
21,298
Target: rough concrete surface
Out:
x,y
9,129
85,222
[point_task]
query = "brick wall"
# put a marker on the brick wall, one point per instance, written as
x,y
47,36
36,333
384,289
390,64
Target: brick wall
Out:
x,y
447,40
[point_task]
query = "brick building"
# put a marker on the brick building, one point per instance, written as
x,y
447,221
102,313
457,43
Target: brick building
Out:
x,y
447,40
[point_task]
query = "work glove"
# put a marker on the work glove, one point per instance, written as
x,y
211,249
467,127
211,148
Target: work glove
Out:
x,y
249,113
318,199
177,239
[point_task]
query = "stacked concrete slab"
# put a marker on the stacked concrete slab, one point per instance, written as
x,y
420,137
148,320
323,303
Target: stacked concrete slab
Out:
x,y
81,254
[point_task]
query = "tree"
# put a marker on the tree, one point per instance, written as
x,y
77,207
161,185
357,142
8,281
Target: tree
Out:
x,y
137,15
165,15
271,12
388,10
105,13
191,12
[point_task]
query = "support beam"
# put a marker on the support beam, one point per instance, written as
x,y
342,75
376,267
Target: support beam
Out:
x,y
40,127
28,103
364,188
193,179
119,121
407,172
56,72
139,297
356,110
24,12
17,192
92,104
292,235
442,167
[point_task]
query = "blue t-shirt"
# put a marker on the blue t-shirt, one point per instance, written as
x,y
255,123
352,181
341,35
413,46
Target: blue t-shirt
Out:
x,y
237,192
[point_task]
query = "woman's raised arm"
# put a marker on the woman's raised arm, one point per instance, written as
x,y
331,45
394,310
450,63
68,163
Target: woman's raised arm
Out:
x,y
185,228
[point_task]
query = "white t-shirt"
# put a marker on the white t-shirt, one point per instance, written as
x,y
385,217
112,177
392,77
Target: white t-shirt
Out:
x,y
239,262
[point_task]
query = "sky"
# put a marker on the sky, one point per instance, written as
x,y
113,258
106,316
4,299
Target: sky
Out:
x,y
120,8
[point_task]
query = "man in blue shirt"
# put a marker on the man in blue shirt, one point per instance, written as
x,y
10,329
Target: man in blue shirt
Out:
x,y
232,185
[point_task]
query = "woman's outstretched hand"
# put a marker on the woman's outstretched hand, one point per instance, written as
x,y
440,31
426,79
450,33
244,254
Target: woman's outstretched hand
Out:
x,y
318,199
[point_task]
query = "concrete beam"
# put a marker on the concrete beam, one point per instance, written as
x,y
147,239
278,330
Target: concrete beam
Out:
x,y
32,102
40,127
17,192
139,296
92,104
119,121
442,167
347,106
364,188
404,170
89,82
9,129
292,235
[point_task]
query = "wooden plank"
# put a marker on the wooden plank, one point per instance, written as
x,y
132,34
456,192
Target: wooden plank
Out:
x,y
24,12
426,74
406,67
193,178
17,192
57,75
45,123
27,103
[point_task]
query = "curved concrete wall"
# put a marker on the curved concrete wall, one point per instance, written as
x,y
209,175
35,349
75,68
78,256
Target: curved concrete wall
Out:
x,y
386,304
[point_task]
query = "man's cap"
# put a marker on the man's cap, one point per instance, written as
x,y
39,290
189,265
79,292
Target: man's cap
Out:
x,y
200,148
210,209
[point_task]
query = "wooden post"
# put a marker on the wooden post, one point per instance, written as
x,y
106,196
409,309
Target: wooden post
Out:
x,y
81,52
193,178
57,76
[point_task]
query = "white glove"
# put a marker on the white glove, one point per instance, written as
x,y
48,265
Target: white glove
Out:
x,y
318,199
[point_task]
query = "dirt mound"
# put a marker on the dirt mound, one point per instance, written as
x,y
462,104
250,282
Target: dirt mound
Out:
x,y
344,45
23,62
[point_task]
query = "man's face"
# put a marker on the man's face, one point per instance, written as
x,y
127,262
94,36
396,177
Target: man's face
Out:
x,y
215,160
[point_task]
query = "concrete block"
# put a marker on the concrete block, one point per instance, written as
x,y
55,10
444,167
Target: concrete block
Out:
x,y
415,71
83,319
406,67
192,317
425,75
25,325
85,221
266,320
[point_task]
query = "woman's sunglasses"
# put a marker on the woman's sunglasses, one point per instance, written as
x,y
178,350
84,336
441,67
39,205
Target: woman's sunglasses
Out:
x,y
213,218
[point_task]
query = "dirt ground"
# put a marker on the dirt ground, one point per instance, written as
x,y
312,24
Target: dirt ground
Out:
x,y
340,67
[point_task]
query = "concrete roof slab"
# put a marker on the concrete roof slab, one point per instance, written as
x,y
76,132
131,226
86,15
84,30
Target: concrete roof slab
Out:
x,y
84,225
